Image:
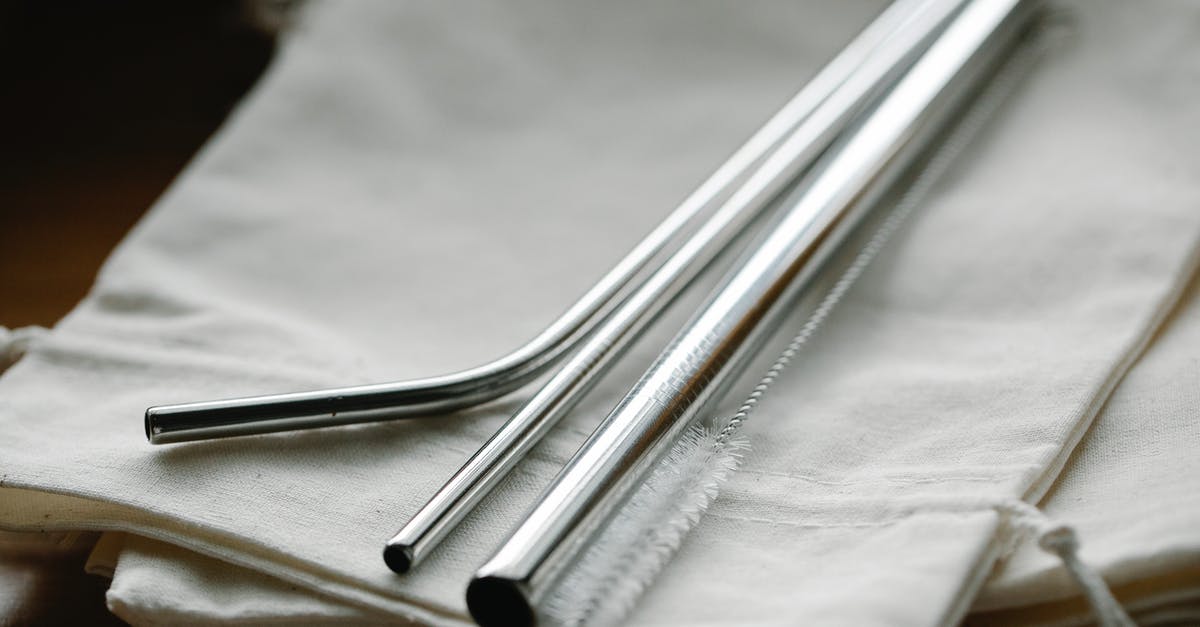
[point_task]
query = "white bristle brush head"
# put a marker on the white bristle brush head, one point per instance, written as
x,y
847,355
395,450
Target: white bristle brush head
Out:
x,y
627,556
629,553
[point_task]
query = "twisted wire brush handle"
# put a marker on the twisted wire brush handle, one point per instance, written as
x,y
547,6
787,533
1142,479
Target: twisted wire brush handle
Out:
x,y
512,585
634,546
804,144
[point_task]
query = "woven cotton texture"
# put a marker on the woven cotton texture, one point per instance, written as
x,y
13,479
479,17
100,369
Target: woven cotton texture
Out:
x,y
419,187
1132,490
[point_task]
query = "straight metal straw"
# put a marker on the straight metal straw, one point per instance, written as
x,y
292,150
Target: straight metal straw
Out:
x,y
874,72
737,317
442,394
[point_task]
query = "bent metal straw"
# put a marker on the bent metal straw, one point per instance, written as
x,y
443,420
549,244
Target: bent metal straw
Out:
x,y
442,394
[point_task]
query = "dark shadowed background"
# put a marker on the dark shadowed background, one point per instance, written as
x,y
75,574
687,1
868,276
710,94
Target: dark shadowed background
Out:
x,y
103,104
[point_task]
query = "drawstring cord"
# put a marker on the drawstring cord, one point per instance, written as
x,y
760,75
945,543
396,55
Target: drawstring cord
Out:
x,y
1020,520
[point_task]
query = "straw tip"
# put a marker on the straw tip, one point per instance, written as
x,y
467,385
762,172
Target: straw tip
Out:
x,y
151,419
398,557
498,601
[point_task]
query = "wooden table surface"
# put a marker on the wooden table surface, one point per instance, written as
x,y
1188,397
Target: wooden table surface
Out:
x,y
105,102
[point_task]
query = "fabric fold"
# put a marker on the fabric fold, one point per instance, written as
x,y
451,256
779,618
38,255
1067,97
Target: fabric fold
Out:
x,y
417,188
1130,489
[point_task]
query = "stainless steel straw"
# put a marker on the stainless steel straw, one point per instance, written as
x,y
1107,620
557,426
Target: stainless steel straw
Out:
x,y
441,394
716,342
562,392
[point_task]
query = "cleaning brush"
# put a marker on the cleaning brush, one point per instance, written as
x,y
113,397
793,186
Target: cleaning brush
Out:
x,y
716,344
628,554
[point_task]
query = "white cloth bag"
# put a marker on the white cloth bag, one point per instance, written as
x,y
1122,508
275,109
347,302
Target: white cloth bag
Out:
x,y
1132,491
418,188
